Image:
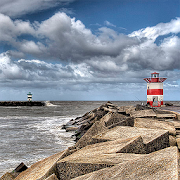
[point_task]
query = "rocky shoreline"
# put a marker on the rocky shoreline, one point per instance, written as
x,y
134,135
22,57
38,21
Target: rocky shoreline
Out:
x,y
127,142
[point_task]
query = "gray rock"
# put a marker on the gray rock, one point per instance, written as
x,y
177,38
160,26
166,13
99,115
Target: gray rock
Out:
x,y
97,156
153,139
158,165
143,113
155,124
42,169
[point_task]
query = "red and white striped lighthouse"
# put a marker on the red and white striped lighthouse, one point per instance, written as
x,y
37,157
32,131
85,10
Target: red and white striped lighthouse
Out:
x,y
155,90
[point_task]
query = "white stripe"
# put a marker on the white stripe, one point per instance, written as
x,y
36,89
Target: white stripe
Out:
x,y
150,97
154,85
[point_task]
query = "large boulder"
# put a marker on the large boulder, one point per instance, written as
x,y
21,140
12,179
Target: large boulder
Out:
x,y
117,119
87,120
154,139
108,121
166,116
143,113
172,141
98,156
97,127
155,124
42,169
158,165
7,176
123,109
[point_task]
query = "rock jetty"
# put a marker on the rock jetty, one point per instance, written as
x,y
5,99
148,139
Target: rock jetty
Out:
x,y
128,142
22,103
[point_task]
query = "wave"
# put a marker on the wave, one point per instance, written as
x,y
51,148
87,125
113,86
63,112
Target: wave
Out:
x,y
47,103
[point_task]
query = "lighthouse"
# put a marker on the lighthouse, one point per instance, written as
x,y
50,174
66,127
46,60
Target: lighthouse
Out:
x,y
29,96
155,90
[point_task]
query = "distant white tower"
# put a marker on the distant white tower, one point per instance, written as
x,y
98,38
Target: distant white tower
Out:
x,y
29,96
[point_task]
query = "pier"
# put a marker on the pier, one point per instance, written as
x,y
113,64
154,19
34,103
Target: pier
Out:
x,y
22,103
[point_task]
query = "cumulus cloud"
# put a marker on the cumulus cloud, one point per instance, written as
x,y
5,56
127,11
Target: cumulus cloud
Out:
x,y
159,30
62,37
10,30
8,69
21,7
106,57
70,39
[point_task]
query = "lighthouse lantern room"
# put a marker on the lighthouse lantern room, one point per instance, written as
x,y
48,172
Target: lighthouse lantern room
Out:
x,y
155,90
29,96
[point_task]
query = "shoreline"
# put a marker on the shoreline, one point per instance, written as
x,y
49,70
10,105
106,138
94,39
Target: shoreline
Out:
x,y
91,131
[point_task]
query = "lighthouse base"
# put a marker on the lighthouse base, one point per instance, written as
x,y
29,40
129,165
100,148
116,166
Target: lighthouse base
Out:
x,y
155,103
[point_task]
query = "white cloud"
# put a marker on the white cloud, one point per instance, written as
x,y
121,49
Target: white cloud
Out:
x,y
10,30
31,47
107,23
8,70
21,7
159,30
63,38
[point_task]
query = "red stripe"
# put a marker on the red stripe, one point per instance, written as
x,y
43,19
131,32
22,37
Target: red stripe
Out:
x,y
154,91
151,103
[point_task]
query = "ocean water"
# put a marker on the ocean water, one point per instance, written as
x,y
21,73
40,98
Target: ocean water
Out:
x,y
29,134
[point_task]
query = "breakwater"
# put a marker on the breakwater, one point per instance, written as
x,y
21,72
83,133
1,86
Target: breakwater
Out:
x,y
128,142
22,103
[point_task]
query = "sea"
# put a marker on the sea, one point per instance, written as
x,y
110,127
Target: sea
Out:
x,y
29,134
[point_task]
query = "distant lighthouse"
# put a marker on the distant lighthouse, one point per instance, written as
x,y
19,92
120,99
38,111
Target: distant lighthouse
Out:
x,y
155,90
29,96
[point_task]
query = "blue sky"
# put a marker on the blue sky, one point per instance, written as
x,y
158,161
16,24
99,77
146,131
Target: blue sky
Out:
x,y
88,49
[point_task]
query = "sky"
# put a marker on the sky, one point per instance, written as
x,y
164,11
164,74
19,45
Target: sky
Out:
x,y
86,50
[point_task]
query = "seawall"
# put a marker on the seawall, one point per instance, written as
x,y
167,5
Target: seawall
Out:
x,y
22,103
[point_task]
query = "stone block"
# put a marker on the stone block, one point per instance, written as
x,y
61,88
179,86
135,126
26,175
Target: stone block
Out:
x,y
166,115
42,169
155,124
118,145
120,120
143,113
178,116
172,141
7,176
176,124
68,170
21,167
52,177
97,156
178,142
130,110
97,127
123,109
153,139
159,165
109,109
71,129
